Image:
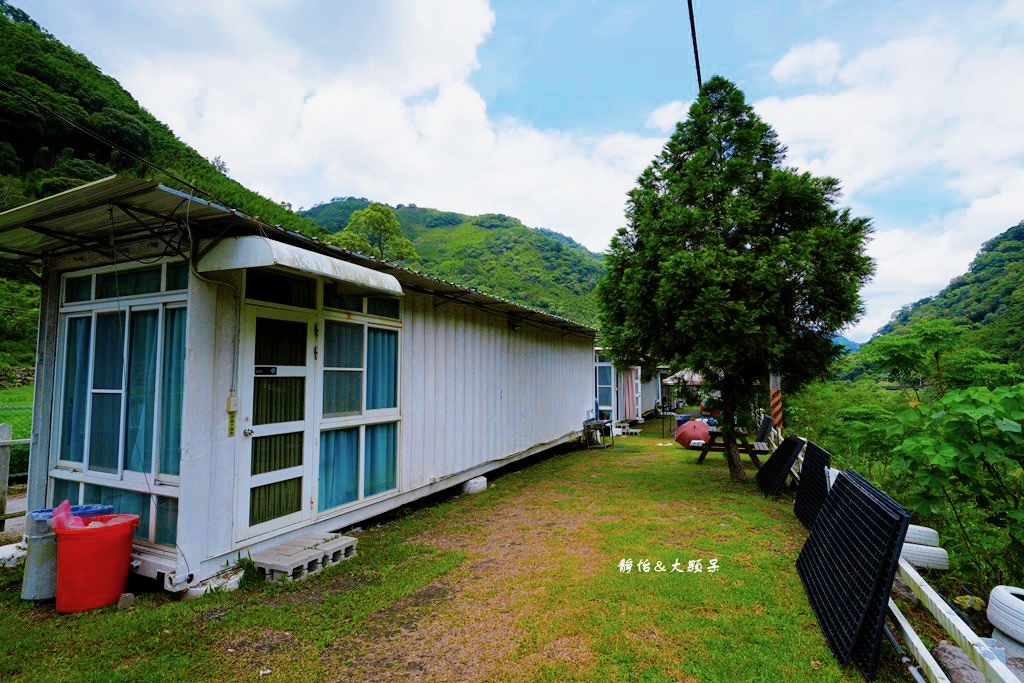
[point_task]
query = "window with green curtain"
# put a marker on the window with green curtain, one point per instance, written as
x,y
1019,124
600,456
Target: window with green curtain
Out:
x,y
280,342
274,500
166,520
379,460
278,399
339,467
280,288
276,452
381,368
141,391
78,289
177,276
387,307
343,362
64,490
128,282
76,389
172,388
107,377
124,502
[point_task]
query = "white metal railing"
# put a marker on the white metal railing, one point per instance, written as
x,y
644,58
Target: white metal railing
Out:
x,y
977,648
5,469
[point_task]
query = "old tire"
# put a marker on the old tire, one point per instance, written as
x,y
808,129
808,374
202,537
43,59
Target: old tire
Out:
x,y
925,556
922,535
1006,611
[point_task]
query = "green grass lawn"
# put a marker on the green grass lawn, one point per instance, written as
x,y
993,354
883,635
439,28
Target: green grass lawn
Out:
x,y
17,396
524,581
20,420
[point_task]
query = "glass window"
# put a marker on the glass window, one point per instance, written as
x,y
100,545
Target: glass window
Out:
x,y
76,389
280,288
121,392
280,342
387,307
138,435
339,467
274,500
334,297
177,276
128,282
380,458
78,289
172,386
276,452
343,363
64,490
166,520
124,502
381,368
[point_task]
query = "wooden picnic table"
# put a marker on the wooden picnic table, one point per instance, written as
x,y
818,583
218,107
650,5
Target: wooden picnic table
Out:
x,y
713,444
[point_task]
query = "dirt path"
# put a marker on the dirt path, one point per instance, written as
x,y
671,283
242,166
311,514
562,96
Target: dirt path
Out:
x,y
469,625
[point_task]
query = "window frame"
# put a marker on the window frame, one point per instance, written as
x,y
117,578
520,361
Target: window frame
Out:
x,y
366,417
152,483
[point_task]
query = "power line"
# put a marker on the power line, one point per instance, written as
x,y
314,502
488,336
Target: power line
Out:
x,y
693,35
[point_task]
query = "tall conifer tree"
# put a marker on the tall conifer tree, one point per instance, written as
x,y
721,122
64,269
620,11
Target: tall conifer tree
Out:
x,y
731,264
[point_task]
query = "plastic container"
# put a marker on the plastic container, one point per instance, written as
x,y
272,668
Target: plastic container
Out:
x,y
93,562
40,579
680,419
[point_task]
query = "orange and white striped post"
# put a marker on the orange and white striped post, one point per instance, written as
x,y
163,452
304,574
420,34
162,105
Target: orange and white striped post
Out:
x,y
775,400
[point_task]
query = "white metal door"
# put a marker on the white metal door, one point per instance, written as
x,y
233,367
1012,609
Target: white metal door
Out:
x,y
276,378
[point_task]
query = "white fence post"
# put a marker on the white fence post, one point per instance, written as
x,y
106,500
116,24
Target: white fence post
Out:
x,y
5,470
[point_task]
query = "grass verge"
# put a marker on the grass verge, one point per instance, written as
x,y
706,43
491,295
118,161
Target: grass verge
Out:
x,y
525,581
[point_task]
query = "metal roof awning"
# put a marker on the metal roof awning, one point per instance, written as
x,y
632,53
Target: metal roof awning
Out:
x,y
254,251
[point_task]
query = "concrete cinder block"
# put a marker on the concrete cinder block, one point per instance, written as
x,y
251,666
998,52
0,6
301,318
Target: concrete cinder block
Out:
x,y
475,485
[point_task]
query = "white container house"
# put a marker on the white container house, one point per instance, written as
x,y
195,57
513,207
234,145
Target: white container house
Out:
x,y
238,385
620,394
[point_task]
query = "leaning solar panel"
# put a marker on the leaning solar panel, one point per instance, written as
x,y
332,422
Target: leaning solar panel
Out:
x,y
865,652
773,473
813,489
848,564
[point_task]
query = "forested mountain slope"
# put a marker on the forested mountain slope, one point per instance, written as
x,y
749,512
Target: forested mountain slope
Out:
x,y
988,299
494,253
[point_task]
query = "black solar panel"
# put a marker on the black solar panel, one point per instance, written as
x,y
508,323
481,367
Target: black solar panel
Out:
x,y
848,564
813,488
773,473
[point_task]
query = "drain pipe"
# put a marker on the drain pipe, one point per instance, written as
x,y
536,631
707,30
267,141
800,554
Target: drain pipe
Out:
x,y
904,659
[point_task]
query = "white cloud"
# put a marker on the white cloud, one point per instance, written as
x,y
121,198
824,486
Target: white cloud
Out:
x,y
665,117
404,127
816,62
939,104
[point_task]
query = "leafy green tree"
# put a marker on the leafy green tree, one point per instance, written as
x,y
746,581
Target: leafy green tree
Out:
x,y
376,231
965,453
731,264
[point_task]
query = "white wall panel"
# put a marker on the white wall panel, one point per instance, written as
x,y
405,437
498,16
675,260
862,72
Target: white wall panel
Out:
x,y
477,390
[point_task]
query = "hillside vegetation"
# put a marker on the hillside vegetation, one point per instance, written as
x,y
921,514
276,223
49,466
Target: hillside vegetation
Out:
x,y
494,253
988,300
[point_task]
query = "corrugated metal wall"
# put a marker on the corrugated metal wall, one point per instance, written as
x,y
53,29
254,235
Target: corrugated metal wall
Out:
x,y
476,390
649,393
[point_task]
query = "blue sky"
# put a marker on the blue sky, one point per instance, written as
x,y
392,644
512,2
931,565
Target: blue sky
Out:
x,y
549,110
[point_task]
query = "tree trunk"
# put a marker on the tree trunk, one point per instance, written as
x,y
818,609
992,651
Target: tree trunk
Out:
x,y
732,452
732,456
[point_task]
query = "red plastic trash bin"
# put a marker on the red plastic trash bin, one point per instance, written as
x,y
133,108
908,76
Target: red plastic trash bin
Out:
x,y
93,562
